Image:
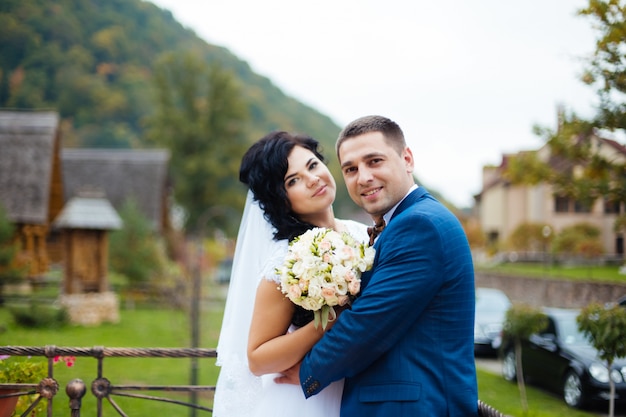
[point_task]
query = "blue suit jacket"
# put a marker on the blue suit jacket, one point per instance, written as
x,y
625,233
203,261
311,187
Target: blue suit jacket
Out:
x,y
406,348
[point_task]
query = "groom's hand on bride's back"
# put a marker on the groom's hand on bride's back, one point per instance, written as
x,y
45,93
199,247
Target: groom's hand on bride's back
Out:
x,y
290,376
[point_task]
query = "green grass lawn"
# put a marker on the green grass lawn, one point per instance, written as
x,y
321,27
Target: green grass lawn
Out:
x,y
608,274
141,327
504,396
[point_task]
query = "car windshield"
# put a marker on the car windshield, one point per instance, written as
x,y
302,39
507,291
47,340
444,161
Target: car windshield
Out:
x,y
489,302
569,333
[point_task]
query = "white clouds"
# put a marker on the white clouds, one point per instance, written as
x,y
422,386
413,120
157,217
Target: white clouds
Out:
x,y
466,80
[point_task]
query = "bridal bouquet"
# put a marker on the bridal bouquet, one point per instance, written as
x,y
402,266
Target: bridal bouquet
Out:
x,y
323,269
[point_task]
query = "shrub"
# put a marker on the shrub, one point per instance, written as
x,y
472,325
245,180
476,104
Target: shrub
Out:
x,y
529,237
578,239
39,316
135,251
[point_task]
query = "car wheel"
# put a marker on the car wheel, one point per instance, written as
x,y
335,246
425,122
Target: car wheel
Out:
x,y
509,372
573,394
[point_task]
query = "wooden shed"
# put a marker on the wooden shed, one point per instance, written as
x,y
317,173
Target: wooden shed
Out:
x,y
85,221
30,180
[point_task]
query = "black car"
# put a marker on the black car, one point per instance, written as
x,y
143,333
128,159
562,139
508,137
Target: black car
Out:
x,y
562,360
491,307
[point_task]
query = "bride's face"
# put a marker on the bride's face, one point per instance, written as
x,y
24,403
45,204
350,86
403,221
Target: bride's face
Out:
x,y
310,186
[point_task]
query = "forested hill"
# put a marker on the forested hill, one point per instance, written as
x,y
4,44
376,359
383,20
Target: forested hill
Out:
x,y
93,61
126,74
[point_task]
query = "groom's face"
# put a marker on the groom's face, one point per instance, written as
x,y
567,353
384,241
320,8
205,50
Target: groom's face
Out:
x,y
376,176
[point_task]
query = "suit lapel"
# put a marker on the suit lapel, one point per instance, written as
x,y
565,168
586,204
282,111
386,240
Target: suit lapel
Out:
x,y
408,201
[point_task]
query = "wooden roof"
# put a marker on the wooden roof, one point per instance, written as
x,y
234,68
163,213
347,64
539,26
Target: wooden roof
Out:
x,y
27,145
121,174
89,210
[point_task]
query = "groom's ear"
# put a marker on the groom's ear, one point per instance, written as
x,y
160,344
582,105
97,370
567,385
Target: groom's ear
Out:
x,y
409,161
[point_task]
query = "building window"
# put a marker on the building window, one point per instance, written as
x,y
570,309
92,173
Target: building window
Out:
x,y
581,208
492,237
561,204
569,205
611,207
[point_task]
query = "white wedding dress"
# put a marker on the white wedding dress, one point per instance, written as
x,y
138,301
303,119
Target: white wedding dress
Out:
x,y
239,393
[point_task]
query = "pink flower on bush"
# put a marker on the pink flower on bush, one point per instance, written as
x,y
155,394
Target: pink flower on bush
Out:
x,y
69,360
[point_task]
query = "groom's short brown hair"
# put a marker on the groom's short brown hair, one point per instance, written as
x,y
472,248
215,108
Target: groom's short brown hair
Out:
x,y
391,131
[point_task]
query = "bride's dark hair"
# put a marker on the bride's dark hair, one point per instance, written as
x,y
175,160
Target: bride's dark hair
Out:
x,y
263,168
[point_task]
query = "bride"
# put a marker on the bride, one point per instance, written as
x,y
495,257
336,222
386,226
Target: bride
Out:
x,y
263,333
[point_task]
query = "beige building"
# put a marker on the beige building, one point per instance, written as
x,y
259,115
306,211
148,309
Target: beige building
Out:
x,y
502,206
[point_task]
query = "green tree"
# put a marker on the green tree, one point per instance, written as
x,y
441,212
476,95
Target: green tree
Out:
x,y
135,252
10,270
607,68
200,118
605,327
520,322
527,168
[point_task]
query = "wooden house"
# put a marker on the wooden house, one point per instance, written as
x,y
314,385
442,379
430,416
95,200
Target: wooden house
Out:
x,y
30,180
37,177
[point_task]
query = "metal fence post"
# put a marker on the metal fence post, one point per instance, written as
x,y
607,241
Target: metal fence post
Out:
x,y
76,390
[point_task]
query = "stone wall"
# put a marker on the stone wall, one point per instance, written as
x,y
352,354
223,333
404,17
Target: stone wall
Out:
x,y
545,292
91,309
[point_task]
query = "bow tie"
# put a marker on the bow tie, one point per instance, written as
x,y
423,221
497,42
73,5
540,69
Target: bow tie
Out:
x,y
374,231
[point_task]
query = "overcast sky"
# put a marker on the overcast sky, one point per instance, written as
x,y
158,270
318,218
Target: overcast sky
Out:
x,y
465,79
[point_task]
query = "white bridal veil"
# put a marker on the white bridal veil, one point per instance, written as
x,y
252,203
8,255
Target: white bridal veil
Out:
x,y
237,389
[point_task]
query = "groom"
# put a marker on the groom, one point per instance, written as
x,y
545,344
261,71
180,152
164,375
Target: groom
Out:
x,y
406,347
